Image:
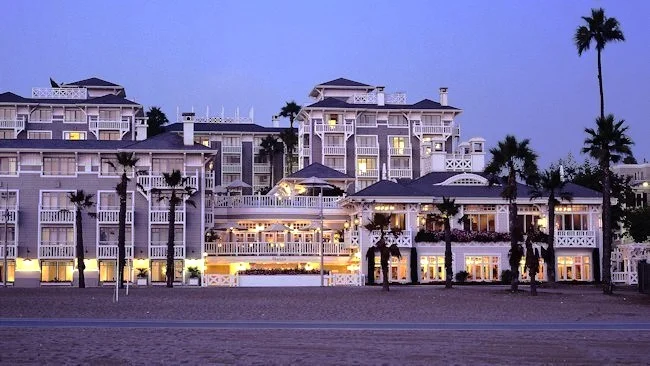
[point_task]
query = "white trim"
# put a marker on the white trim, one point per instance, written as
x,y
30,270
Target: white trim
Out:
x,y
456,178
39,131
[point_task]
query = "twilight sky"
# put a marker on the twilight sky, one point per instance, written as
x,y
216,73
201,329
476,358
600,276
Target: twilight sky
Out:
x,y
510,65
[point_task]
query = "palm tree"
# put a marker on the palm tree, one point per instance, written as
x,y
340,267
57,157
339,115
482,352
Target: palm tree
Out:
x,y
381,222
290,139
600,30
156,120
517,160
126,161
290,110
177,192
551,183
270,148
448,209
532,262
607,144
81,202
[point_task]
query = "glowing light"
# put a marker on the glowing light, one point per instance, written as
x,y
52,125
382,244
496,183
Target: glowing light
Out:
x,y
346,225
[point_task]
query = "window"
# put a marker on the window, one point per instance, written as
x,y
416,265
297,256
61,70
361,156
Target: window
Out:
x,y
231,159
58,200
527,221
523,272
432,268
482,268
571,222
7,114
41,115
111,200
400,163
159,235
56,271
74,135
74,115
334,140
398,142
260,159
10,234
8,165
108,115
366,164
39,135
59,166
166,165
107,271
398,221
231,141
364,183
477,147
109,235
367,120
229,178
397,269
397,121
7,200
335,162
332,120
576,268
366,141
480,222
110,135
203,140
11,269
159,268
7,134
433,223
431,120
57,235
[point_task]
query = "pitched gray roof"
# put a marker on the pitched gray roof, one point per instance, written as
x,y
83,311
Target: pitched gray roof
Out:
x,y
225,127
166,141
113,99
343,82
342,104
94,82
320,171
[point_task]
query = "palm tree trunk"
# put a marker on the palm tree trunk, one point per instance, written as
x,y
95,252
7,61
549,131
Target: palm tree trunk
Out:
x,y
600,85
290,150
607,231
533,283
514,246
385,284
169,273
80,250
550,264
448,255
121,231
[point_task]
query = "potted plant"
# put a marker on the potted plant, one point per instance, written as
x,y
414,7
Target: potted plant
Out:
x,y
195,275
142,276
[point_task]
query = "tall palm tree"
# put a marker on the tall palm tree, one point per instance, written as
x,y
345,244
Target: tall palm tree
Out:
x,y
448,209
290,139
81,202
126,162
600,30
381,222
608,143
551,183
176,193
270,148
290,110
518,161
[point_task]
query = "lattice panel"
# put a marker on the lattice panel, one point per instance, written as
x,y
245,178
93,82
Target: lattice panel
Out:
x,y
403,240
344,279
220,280
575,241
458,164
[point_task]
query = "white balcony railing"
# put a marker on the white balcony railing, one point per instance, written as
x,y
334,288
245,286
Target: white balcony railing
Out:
x,y
305,128
56,250
60,93
456,162
396,151
253,201
369,173
57,216
231,149
306,152
420,129
10,214
575,239
405,239
275,249
368,150
11,249
231,168
158,181
209,181
261,168
399,173
109,250
162,216
113,216
158,250
346,128
16,124
334,149
109,125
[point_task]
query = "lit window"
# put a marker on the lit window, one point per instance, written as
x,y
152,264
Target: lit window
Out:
x,y
74,135
332,120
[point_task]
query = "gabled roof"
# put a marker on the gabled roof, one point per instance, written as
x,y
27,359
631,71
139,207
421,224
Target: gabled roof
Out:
x,y
387,188
320,171
94,82
343,82
9,97
113,99
225,127
166,141
331,102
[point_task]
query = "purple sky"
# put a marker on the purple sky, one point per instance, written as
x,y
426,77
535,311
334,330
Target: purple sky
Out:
x,y
510,65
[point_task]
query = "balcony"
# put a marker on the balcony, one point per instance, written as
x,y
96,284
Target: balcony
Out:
x,y
257,201
17,124
456,162
109,250
368,173
334,149
420,129
162,216
261,168
209,181
108,125
158,250
305,128
276,249
305,152
405,239
368,150
231,168
58,250
11,249
399,151
399,173
112,216
11,214
231,149
346,128
158,181
57,216
575,239
60,93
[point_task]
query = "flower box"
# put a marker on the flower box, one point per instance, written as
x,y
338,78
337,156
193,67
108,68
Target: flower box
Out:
x,y
194,281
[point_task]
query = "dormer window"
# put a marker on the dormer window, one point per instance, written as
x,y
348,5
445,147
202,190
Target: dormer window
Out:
x,y
437,146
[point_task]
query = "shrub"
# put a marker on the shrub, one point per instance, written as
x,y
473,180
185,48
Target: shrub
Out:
x,y
461,277
194,272
279,271
462,236
506,277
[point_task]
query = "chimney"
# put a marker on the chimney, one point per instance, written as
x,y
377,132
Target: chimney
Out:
x,y
188,128
140,128
381,97
276,121
443,96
